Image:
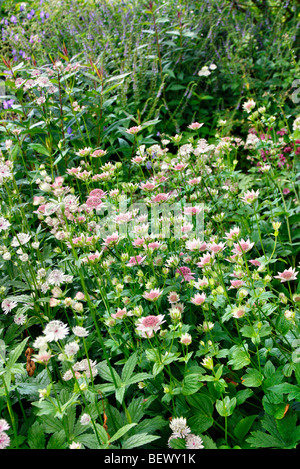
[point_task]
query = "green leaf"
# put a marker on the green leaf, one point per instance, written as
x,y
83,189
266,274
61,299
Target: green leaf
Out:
x,y
122,432
202,418
243,427
36,436
208,443
139,440
191,384
89,440
226,406
129,367
39,148
15,354
177,443
58,441
252,378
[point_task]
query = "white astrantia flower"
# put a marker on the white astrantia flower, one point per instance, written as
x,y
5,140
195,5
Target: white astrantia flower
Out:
x,y
85,419
4,224
8,305
40,342
80,331
179,427
20,239
71,348
56,277
194,442
56,330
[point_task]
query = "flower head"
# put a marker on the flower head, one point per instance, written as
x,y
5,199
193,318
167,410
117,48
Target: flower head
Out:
x,y
150,324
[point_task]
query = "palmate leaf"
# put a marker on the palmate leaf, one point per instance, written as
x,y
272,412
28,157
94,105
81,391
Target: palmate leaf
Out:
x,y
121,383
282,433
141,439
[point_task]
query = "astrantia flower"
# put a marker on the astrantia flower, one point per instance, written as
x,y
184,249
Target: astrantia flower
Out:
x,y
198,299
186,273
194,442
249,105
233,233
250,196
4,425
173,297
135,260
20,239
134,130
179,427
195,126
80,331
40,342
215,248
75,445
56,277
71,348
56,330
196,245
236,284
242,246
87,366
205,261
150,324
120,313
238,312
186,339
153,294
287,275
4,224
4,440
85,419
43,356
8,305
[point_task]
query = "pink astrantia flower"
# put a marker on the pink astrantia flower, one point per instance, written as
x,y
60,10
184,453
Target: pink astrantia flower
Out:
x,y
192,210
195,126
134,130
287,275
153,294
111,240
148,186
135,260
196,245
97,193
233,233
205,261
198,299
215,248
150,324
255,262
4,425
160,197
173,297
250,196
242,246
4,440
186,339
120,313
249,105
154,245
186,273
238,312
98,153
236,284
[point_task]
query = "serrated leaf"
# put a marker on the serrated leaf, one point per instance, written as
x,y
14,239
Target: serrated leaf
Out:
x,y
141,439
